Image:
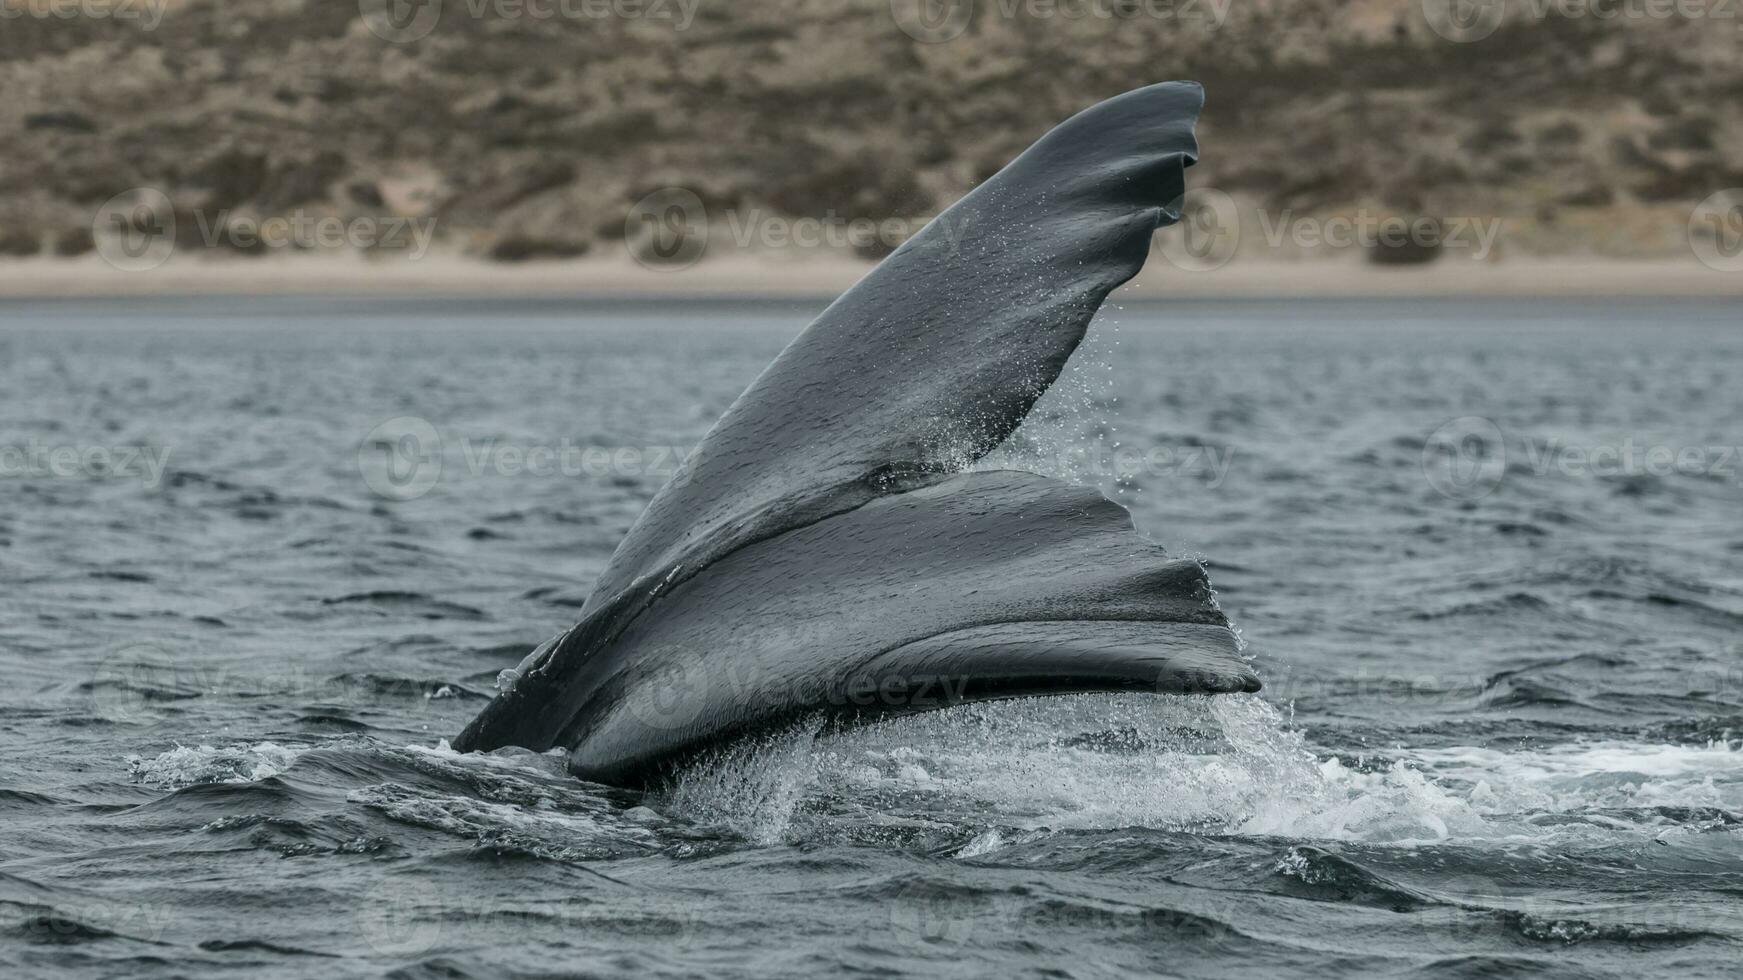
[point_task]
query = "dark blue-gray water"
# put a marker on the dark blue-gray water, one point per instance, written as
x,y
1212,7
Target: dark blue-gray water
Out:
x,y
260,558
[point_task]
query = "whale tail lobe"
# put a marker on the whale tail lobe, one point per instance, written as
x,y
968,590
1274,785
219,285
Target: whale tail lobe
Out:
x,y
822,550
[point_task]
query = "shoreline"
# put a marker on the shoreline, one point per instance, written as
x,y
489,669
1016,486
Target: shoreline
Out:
x,y
822,278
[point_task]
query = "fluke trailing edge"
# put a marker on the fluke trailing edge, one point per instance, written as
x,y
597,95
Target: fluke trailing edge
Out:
x,y
822,550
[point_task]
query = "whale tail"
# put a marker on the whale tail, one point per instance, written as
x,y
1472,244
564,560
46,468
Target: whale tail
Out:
x,y
822,550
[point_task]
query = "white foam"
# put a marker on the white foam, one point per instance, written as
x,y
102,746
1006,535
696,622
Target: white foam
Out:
x,y
984,843
1592,776
752,787
1227,765
195,765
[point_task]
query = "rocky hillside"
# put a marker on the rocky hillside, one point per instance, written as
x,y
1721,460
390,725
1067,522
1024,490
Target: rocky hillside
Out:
x,y
529,128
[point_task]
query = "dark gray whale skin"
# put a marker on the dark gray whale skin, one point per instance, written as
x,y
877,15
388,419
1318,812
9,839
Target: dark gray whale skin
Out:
x,y
822,551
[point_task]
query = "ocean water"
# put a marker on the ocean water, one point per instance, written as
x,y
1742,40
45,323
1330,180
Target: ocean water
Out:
x,y
260,558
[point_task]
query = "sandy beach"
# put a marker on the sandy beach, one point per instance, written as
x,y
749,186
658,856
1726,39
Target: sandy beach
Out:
x,y
824,277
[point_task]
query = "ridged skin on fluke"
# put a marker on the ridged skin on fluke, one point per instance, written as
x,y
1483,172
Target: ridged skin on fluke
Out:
x,y
817,552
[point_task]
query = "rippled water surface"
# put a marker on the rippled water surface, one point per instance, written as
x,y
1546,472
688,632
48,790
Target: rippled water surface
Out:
x,y
260,558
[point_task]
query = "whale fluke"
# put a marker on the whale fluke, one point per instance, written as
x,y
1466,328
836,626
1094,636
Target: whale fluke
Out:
x,y
822,551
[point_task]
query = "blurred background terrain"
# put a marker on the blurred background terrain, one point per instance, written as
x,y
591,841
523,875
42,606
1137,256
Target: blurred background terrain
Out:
x,y
528,131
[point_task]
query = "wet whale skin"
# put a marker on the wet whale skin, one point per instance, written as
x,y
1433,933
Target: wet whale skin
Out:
x,y
822,550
